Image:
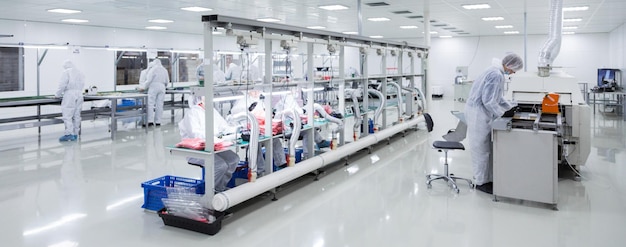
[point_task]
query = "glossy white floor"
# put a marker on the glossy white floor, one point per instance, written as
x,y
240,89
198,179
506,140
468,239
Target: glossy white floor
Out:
x,y
88,194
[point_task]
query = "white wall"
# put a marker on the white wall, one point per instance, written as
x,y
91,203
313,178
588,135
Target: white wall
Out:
x,y
618,49
580,55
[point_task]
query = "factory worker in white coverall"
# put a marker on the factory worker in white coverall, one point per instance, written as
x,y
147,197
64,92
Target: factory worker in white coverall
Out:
x,y
143,76
193,126
218,75
71,89
485,103
252,102
156,82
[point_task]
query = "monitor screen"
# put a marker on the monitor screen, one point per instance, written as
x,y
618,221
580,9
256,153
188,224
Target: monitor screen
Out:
x,y
606,77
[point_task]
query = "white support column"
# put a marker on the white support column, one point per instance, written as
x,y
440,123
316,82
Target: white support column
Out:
x,y
209,169
309,96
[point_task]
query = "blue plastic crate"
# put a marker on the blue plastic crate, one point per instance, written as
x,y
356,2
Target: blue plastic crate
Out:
x,y
155,190
125,103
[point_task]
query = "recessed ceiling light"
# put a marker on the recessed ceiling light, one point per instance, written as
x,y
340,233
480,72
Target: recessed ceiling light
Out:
x,y
569,33
576,8
408,27
378,19
350,32
156,28
495,18
432,32
160,21
316,27
445,36
196,9
572,19
268,19
476,6
64,11
511,32
333,7
75,20
504,26
570,27
376,37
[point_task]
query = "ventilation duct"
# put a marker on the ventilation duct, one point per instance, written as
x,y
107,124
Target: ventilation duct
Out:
x,y
553,45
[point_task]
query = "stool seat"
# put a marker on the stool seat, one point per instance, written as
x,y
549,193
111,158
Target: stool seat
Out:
x,y
448,145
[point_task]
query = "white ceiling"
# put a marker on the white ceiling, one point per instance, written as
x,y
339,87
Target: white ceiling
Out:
x,y
602,16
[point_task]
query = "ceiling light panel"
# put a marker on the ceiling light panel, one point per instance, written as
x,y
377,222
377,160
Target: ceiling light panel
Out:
x,y
566,33
493,18
408,27
156,28
160,21
576,8
333,7
377,19
445,36
572,19
511,32
504,26
316,27
376,36
64,11
350,32
75,20
570,27
196,9
476,6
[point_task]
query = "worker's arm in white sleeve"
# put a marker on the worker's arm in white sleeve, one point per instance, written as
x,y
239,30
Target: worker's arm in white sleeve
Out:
x,y
492,95
65,80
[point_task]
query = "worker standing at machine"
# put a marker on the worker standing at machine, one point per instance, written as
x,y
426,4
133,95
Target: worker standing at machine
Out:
x,y
157,80
233,72
143,76
485,103
218,75
71,89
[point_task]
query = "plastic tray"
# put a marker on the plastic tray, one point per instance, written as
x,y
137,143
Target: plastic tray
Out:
x,y
193,225
154,190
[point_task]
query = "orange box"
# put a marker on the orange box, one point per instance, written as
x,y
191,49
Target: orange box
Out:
x,y
550,104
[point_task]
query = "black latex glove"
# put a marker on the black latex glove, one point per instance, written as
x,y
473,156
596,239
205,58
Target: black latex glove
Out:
x,y
510,112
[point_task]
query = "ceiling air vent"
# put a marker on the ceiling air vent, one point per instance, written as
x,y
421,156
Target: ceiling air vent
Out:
x,y
439,25
402,12
463,33
414,17
377,4
449,28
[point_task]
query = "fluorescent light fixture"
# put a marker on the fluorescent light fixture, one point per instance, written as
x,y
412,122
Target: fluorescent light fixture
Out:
x,y
333,7
493,18
511,32
576,8
316,27
570,27
268,19
75,20
572,19
350,32
228,98
408,27
52,47
378,19
64,11
476,6
196,9
124,201
504,26
55,224
445,36
160,21
156,28
64,244
432,32
569,33
376,37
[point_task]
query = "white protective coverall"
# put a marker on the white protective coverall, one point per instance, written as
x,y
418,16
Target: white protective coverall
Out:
x,y
277,147
143,76
192,126
486,103
218,75
71,89
156,82
233,72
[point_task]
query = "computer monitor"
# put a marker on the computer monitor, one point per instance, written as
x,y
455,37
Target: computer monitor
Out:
x,y
606,78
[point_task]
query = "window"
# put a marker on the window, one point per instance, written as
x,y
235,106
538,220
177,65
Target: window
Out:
x,y
187,64
129,66
11,69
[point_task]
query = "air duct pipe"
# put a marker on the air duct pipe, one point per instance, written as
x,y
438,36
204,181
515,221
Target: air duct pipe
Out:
x,y
357,110
552,46
399,92
295,133
383,103
254,140
224,200
328,117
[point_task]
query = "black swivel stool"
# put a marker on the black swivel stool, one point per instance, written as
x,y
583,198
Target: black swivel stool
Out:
x,y
446,146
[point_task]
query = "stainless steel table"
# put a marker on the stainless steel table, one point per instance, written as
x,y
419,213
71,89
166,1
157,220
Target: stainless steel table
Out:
x,y
137,110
